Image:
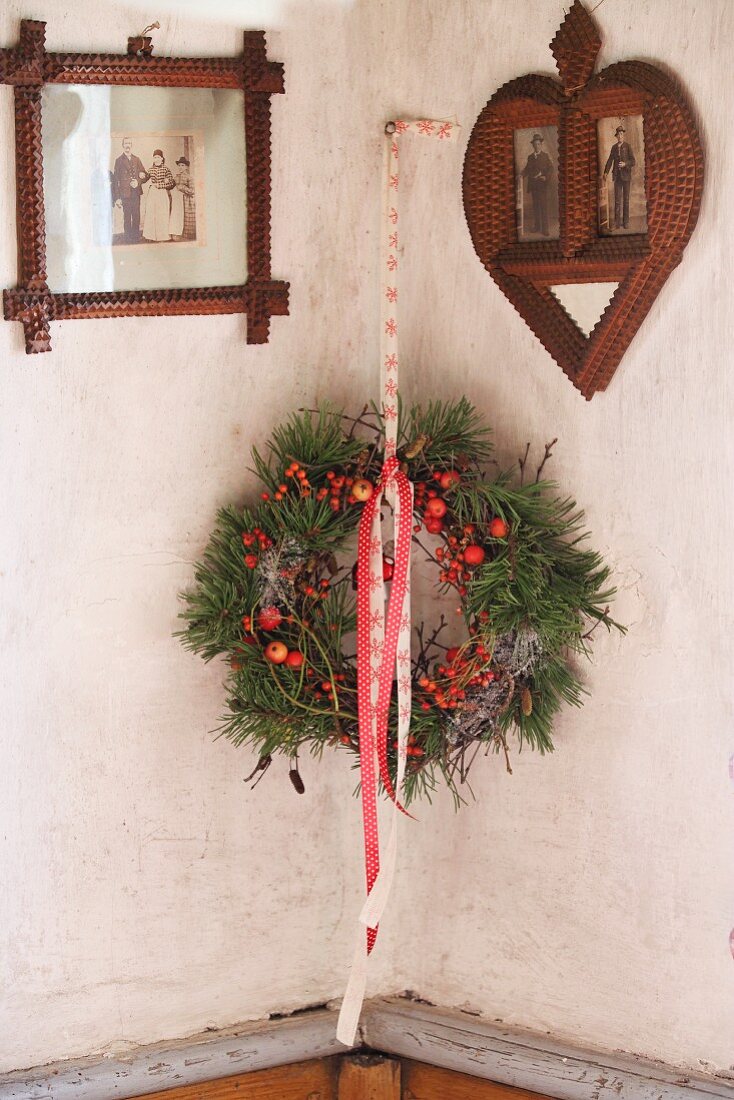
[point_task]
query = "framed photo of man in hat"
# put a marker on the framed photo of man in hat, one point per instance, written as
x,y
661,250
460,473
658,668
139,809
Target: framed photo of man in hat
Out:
x,y
622,202
536,183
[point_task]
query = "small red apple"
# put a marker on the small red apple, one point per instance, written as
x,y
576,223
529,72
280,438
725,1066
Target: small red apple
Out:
x,y
474,555
362,489
294,659
436,508
276,652
450,479
269,618
498,529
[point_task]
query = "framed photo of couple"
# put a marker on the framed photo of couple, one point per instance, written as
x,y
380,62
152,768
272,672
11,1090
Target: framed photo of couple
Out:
x,y
143,185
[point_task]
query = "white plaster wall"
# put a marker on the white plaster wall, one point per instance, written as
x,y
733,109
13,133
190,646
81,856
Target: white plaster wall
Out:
x,y
146,894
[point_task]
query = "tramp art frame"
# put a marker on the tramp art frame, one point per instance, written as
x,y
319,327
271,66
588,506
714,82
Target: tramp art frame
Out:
x,y
28,67
640,262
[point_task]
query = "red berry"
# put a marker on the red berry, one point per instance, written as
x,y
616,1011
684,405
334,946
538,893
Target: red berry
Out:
x,y
250,560
434,526
474,555
276,652
452,654
249,639
294,659
450,479
498,529
269,619
436,508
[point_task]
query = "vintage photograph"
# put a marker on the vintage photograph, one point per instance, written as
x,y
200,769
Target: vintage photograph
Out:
x,y
155,190
622,203
536,176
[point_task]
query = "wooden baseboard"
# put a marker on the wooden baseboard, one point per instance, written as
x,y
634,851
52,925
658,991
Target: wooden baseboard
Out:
x,y
301,1037
469,1044
394,1026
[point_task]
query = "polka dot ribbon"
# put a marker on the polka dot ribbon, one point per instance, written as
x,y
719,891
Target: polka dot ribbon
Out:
x,y
383,642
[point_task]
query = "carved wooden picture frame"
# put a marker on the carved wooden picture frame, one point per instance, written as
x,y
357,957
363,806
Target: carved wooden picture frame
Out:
x,y
29,68
578,247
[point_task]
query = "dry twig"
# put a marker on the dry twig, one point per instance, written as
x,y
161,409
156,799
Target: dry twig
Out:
x,y
521,463
548,452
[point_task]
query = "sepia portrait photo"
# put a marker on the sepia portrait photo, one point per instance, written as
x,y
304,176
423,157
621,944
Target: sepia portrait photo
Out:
x,y
536,183
622,203
155,190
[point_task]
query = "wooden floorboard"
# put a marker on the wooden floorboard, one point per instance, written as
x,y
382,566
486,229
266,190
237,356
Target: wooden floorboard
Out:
x,y
421,1082
301,1081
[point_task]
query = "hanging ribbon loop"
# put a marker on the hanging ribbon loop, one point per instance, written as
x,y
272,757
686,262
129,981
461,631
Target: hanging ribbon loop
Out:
x,y
383,641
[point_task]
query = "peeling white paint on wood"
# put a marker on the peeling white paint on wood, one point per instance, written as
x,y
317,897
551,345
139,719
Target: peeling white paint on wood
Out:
x,y
467,1044
191,1061
394,1026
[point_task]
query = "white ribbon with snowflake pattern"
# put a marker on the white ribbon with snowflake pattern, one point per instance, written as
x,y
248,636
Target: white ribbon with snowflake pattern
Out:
x,y
371,627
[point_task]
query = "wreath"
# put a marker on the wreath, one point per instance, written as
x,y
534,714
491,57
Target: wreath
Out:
x,y
275,595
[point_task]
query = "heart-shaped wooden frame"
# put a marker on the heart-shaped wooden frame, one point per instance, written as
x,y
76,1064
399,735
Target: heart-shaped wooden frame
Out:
x,y
640,263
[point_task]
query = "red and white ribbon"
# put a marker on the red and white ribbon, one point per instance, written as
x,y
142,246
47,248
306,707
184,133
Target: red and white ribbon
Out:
x,y
383,645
